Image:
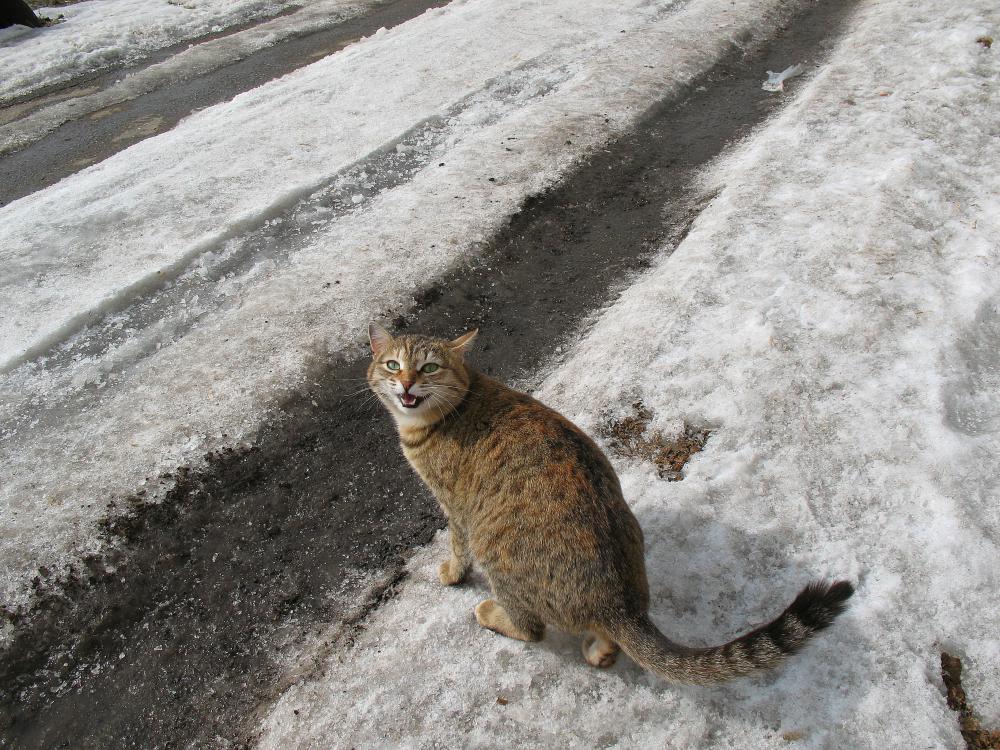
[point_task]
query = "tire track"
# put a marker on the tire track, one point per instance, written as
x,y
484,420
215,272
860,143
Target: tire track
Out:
x,y
154,310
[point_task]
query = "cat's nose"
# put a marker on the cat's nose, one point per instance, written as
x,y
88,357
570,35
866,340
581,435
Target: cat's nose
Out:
x,y
407,383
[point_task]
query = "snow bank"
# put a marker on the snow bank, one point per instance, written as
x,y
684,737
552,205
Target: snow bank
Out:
x,y
834,317
100,33
19,129
443,89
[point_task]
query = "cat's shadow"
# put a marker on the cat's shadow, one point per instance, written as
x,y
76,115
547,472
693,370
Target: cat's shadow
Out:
x,y
711,582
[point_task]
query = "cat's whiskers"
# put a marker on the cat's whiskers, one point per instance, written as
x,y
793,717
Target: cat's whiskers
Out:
x,y
367,399
438,402
446,400
358,392
452,389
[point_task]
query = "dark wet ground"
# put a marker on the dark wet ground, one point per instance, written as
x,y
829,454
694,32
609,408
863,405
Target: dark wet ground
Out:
x,y
175,639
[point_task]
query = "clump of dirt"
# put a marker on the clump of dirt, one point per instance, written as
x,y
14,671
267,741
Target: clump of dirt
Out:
x,y
630,438
985,41
976,738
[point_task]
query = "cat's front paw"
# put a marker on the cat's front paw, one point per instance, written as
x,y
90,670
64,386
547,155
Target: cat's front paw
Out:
x,y
450,573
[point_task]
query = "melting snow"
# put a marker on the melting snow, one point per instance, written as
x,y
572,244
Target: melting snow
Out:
x,y
100,33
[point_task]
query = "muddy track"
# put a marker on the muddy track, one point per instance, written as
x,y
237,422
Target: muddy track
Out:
x,y
177,637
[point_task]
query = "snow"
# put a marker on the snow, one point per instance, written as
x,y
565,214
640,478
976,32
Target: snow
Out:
x,y
834,317
145,214
146,300
29,122
97,34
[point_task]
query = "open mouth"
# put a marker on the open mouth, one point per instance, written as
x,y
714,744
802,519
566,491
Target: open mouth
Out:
x,y
409,401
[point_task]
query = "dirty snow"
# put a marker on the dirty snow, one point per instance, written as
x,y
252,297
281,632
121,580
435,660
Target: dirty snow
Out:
x,y
834,317
237,219
100,33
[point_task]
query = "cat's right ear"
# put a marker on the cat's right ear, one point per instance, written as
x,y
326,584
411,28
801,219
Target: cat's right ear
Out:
x,y
379,338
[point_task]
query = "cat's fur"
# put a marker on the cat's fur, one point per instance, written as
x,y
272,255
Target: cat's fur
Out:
x,y
537,505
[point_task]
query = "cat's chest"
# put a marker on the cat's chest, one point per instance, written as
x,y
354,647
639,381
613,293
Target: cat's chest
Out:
x,y
442,472
433,469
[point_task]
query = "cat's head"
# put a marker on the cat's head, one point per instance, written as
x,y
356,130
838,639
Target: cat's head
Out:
x,y
418,378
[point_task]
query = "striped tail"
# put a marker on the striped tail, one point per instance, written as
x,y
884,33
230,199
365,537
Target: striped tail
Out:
x,y
814,609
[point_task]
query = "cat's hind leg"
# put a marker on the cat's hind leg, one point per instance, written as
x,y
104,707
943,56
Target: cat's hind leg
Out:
x,y
599,651
509,622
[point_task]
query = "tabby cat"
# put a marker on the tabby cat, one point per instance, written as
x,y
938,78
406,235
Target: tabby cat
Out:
x,y
537,505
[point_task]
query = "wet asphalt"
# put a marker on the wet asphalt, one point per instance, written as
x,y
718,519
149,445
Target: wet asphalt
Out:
x,y
176,636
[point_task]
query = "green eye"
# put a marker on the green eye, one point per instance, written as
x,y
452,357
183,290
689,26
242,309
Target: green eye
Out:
x,y
392,365
429,368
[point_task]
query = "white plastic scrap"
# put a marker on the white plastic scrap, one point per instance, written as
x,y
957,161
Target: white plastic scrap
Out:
x,y
776,81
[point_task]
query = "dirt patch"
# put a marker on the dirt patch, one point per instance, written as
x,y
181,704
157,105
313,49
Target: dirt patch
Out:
x,y
630,438
976,738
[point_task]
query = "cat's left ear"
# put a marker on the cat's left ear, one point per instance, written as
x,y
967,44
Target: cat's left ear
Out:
x,y
462,343
379,338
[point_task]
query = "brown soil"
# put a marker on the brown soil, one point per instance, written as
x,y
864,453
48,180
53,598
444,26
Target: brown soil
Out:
x,y
976,738
630,438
